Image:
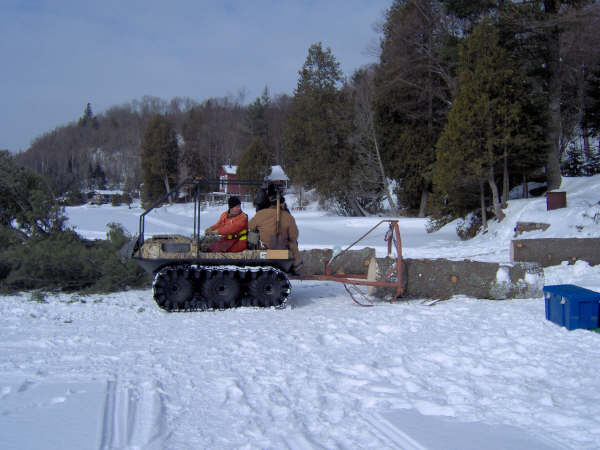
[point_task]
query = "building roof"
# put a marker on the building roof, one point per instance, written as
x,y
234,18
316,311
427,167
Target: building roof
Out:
x,y
229,169
107,191
277,173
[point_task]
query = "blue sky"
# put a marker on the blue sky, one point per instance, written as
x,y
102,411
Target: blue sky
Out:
x,y
56,56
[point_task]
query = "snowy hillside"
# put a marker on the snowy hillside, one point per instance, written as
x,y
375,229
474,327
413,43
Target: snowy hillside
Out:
x,y
115,371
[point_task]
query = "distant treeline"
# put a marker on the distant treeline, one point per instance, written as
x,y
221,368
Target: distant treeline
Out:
x,y
468,99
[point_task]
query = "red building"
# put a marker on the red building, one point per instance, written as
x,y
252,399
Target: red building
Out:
x,y
227,175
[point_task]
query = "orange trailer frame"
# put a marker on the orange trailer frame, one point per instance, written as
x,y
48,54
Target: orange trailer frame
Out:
x,y
351,281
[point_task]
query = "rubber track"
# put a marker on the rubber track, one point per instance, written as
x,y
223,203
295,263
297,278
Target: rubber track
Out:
x,y
198,275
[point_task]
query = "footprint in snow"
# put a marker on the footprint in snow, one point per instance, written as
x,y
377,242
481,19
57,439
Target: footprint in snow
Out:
x,y
338,339
5,391
26,385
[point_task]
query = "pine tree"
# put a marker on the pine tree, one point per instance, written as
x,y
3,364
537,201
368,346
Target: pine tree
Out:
x,y
254,164
27,206
539,26
88,118
99,177
316,148
193,158
320,74
257,119
592,166
592,107
574,165
159,159
414,84
484,123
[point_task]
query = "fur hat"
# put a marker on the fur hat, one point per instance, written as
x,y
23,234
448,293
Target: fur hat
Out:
x,y
233,202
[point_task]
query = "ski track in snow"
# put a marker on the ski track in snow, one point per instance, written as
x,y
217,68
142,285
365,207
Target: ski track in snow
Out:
x,y
315,375
133,416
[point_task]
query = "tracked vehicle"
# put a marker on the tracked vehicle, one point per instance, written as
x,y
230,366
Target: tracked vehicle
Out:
x,y
187,278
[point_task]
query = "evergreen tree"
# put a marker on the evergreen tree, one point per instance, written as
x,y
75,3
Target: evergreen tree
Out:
x,y
99,177
414,85
316,148
592,106
472,10
159,159
193,157
484,123
538,27
320,74
592,165
574,165
27,205
88,118
254,164
257,116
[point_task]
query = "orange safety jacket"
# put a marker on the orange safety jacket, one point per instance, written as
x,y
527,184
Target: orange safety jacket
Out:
x,y
233,231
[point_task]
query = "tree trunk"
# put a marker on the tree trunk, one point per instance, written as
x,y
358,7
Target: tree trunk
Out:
x,y
581,100
423,205
483,210
505,180
386,185
167,187
554,93
351,262
587,150
525,188
495,195
358,210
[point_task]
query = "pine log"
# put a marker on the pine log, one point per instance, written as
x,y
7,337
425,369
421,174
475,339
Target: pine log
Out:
x,y
351,262
314,261
378,271
442,278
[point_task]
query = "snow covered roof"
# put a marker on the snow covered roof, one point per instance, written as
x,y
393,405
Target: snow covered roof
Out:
x,y
277,173
107,191
230,170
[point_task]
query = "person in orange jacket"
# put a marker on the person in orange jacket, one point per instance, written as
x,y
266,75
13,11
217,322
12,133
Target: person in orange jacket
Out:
x,y
232,226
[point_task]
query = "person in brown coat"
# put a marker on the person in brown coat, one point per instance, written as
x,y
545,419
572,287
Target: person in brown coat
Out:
x,y
265,222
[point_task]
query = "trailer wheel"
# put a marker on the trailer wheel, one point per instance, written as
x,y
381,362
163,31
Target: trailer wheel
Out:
x,y
221,291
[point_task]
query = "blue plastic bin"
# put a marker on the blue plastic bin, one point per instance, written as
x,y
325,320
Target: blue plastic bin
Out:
x,y
572,306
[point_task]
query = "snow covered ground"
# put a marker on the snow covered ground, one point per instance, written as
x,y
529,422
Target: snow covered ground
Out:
x,y
115,371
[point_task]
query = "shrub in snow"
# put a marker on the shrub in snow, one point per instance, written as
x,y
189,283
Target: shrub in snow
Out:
x,y
116,200
436,223
74,198
468,227
65,261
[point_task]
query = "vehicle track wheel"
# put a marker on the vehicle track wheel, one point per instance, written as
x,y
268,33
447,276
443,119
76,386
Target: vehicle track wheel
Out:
x,y
173,289
221,290
268,289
